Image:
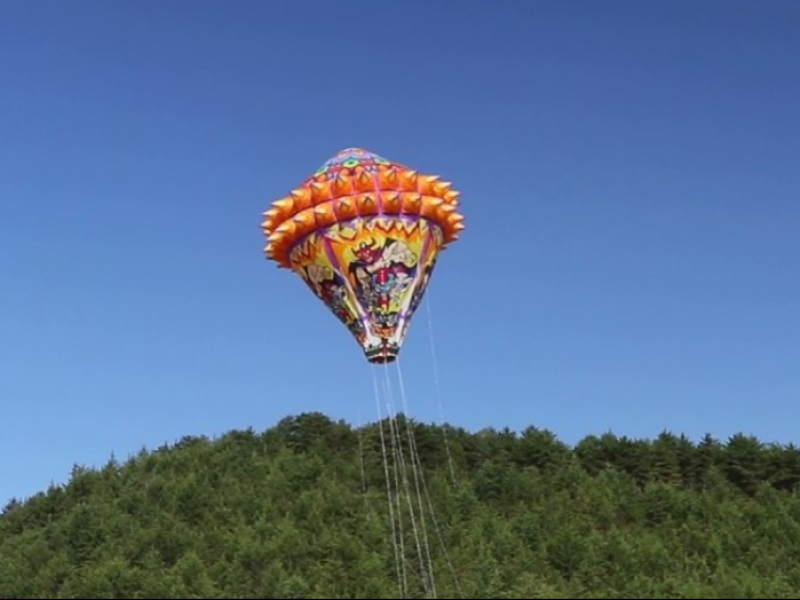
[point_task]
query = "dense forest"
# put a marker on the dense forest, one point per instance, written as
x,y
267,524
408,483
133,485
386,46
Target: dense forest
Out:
x,y
315,508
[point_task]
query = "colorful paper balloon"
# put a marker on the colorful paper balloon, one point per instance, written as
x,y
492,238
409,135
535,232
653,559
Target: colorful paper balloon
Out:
x,y
364,234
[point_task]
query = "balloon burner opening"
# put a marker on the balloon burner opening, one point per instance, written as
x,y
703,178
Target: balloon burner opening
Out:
x,y
383,354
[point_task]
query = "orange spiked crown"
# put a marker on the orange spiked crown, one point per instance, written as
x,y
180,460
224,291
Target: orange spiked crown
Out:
x,y
358,183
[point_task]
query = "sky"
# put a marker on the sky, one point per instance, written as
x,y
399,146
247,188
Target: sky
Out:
x,y
628,173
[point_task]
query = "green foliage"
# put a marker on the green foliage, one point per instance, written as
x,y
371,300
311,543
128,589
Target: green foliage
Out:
x,y
303,510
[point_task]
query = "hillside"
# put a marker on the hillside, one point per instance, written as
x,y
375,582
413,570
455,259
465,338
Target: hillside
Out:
x,y
302,510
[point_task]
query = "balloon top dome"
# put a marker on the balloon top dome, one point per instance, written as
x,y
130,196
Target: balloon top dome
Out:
x,y
350,159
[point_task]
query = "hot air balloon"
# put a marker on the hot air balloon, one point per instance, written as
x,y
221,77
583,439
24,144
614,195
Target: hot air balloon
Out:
x,y
364,233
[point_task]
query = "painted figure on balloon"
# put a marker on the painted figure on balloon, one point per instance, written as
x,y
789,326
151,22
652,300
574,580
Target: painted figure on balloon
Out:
x,y
382,274
421,288
332,290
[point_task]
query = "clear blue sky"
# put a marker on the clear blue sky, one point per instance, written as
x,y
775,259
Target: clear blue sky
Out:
x,y
629,174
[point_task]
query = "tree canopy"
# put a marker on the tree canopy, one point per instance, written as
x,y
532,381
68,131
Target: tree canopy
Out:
x,y
301,510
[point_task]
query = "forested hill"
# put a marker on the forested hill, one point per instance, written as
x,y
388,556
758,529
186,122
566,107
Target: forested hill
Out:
x,y
303,510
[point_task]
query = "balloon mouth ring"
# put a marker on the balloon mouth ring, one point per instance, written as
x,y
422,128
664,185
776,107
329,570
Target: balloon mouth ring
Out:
x,y
383,354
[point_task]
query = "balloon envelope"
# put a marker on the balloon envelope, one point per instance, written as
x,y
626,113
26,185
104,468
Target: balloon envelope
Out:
x,y
364,234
